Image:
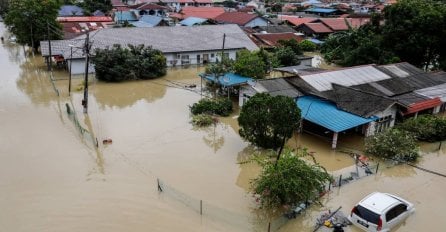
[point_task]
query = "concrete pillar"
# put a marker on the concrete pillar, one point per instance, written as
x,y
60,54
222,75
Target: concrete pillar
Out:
x,y
335,140
416,115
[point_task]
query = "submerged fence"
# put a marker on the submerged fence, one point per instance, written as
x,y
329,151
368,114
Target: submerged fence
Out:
x,y
86,135
237,221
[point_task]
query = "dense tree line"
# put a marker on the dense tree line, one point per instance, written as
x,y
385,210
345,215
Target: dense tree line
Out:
x,y
413,31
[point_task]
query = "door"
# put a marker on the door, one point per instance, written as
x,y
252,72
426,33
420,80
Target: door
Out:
x,y
198,59
205,58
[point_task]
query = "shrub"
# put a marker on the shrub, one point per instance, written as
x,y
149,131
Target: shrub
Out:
x,y
426,128
221,106
202,120
393,144
307,46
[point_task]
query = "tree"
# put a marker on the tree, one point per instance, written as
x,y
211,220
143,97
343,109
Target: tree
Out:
x,y
415,31
249,64
393,144
291,43
136,62
307,46
29,20
268,121
290,181
90,6
286,56
428,128
4,5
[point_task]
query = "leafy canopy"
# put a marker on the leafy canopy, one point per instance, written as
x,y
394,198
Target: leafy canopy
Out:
x,y
220,106
267,121
135,62
290,181
393,144
428,128
24,16
413,31
249,64
90,6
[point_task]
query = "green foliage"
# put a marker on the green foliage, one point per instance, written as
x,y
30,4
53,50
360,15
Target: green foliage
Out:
x,y
286,56
426,128
267,120
220,68
221,106
307,46
393,144
356,47
202,120
250,64
136,62
291,43
26,15
290,181
4,5
90,6
414,32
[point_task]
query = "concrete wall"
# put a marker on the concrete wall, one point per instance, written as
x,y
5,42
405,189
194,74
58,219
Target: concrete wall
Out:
x,y
374,126
173,59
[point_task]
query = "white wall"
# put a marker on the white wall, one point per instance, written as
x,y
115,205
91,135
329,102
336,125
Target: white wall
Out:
x,y
257,22
390,111
78,66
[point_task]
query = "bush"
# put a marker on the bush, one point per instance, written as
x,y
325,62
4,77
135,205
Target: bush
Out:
x,y
290,181
202,120
307,46
426,128
222,107
393,144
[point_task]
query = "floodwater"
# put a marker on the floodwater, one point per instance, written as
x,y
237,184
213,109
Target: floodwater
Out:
x,y
54,178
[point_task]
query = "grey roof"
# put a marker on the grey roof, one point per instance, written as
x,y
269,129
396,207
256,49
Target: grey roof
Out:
x,y
434,91
166,39
70,10
275,29
58,47
400,69
275,87
303,86
410,98
299,69
358,102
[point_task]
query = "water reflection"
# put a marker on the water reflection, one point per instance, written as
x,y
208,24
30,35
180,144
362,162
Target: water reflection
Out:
x,y
213,138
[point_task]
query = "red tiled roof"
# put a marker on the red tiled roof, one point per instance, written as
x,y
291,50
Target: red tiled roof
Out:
x,y
148,6
239,18
121,8
318,27
357,22
271,39
117,3
419,106
85,19
297,21
200,12
335,24
185,1
74,29
204,1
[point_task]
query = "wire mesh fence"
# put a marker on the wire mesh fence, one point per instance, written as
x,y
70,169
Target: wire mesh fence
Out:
x,y
53,84
237,221
86,135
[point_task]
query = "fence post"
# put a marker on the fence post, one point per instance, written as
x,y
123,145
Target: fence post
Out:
x,y
439,146
201,207
340,181
159,186
269,226
377,166
329,186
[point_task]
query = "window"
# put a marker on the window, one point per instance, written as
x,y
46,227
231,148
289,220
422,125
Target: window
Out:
x,y
366,214
212,55
395,212
178,56
383,123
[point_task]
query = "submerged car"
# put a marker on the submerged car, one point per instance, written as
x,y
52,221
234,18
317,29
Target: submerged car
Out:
x,y
380,212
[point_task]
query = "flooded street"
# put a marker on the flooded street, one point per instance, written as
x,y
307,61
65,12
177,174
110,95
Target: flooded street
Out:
x,y
53,178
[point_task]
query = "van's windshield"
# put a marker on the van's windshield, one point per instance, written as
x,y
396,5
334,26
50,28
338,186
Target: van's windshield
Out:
x,y
366,214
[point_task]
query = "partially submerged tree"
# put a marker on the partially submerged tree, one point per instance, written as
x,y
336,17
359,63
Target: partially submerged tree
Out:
x,y
268,121
286,56
428,128
31,20
394,144
250,64
289,181
90,6
136,62
219,106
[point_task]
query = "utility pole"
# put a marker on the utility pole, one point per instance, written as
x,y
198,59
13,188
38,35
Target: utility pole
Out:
x,y
32,39
87,59
223,47
50,61
71,62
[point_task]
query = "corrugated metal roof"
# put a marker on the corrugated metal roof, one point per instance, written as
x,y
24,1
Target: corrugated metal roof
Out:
x,y
275,87
70,10
346,77
326,114
167,39
229,79
151,19
434,91
320,10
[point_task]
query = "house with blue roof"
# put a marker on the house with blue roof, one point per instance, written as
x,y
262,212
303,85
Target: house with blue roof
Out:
x,y
125,16
193,21
323,12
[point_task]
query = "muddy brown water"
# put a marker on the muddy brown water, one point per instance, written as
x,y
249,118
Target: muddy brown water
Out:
x,y
52,178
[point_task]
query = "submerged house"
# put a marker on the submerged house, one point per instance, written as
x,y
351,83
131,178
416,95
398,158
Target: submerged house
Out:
x,y
180,45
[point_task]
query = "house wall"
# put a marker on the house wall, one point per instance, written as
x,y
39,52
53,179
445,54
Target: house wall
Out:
x,y
173,59
257,22
306,62
381,123
246,91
